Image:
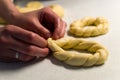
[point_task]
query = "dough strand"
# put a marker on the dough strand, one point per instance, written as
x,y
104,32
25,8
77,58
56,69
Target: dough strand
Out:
x,y
61,50
89,26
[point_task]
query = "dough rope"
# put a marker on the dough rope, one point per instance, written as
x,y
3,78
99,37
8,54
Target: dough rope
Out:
x,y
89,26
98,54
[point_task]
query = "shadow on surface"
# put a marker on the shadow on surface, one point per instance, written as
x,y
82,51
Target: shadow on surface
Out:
x,y
18,65
62,64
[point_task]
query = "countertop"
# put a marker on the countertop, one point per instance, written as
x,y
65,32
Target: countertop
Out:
x,y
52,69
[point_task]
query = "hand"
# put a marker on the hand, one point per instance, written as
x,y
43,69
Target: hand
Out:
x,y
15,39
43,22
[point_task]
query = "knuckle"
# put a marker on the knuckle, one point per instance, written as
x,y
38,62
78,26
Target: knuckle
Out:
x,y
31,21
3,40
8,28
30,50
31,36
47,9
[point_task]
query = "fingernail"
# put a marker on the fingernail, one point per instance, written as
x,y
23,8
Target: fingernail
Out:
x,y
46,52
55,37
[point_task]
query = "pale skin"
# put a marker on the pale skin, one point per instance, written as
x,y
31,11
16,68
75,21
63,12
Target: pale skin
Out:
x,y
27,33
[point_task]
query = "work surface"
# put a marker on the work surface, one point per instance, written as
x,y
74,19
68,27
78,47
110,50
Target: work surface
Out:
x,y
52,69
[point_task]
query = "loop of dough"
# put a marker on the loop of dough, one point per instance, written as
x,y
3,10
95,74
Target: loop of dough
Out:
x,y
89,26
98,54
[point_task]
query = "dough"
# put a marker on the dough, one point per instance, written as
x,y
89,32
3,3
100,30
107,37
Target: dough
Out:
x,y
30,6
25,9
57,9
89,26
61,50
34,4
2,21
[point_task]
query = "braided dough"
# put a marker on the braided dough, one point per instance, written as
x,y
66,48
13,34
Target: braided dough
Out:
x,y
89,26
98,54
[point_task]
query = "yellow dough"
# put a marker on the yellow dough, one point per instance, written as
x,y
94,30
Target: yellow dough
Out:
x,y
57,9
89,26
30,6
2,21
26,9
34,4
61,50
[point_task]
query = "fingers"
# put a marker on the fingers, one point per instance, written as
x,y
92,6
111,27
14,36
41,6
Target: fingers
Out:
x,y
25,58
33,24
10,56
63,29
5,56
26,36
60,28
42,31
28,49
20,46
49,18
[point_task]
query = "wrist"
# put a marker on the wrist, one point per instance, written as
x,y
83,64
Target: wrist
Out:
x,y
8,11
12,16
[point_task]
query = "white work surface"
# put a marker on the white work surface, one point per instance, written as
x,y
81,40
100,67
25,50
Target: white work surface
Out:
x,y
52,69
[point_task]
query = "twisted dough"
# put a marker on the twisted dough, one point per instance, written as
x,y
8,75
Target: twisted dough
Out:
x,y
89,26
98,54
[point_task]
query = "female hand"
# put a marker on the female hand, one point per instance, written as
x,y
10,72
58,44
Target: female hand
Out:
x,y
14,39
43,22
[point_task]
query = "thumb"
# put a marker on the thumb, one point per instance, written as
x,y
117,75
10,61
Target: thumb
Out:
x,y
41,30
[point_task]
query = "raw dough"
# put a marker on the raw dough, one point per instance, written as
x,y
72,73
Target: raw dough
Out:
x,y
89,26
61,50
30,6
25,9
34,4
